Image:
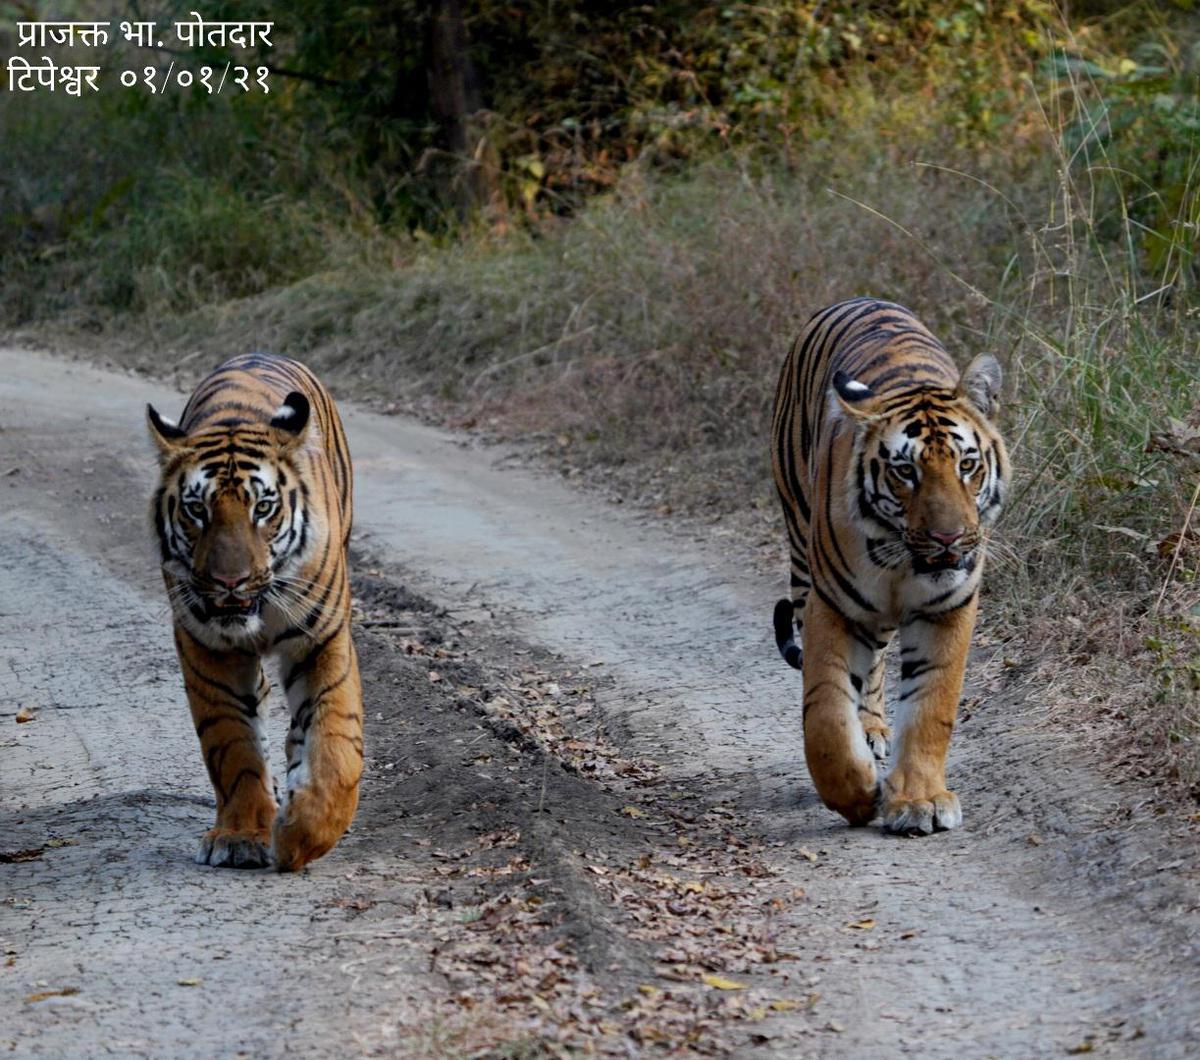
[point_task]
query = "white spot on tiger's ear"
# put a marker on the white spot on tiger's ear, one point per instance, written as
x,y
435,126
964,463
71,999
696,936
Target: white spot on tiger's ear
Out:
x,y
853,397
850,389
291,418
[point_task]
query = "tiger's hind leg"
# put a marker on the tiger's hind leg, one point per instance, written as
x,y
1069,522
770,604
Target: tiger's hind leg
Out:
x,y
324,751
227,693
872,712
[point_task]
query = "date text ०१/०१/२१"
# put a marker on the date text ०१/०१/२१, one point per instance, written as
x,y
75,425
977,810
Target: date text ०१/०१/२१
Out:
x,y
24,76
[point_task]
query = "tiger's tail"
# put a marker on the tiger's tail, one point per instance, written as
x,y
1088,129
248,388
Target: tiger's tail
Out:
x,y
785,634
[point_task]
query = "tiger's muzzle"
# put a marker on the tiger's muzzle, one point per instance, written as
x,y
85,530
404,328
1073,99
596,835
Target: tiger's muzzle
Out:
x,y
229,603
935,551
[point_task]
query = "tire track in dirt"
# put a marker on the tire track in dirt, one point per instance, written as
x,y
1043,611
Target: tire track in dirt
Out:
x,y
1063,916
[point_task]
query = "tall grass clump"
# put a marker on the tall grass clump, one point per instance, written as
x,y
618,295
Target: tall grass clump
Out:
x,y
1099,312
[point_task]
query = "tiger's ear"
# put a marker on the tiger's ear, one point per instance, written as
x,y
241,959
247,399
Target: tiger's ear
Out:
x,y
980,384
167,436
291,420
857,399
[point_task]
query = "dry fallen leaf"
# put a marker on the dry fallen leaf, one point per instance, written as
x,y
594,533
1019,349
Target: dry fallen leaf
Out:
x,y
785,1004
358,903
189,982
862,925
24,715
718,982
632,811
66,991
1179,437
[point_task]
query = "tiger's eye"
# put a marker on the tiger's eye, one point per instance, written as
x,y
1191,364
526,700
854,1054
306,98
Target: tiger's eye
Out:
x,y
968,465
905,473
195,509
263,508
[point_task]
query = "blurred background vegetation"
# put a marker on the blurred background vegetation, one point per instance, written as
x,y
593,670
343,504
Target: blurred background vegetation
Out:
x,y
594,227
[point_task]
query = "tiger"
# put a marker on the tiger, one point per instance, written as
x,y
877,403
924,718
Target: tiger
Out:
x,y
252,514
890,473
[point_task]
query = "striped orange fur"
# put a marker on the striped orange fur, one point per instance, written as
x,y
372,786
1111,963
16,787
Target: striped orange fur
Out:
x,y
889,471
252,515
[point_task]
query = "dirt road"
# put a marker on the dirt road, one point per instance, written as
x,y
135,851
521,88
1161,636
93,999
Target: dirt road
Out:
x,y
501,607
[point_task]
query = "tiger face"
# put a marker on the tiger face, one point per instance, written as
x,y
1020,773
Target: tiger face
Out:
x,y
930,470
232,520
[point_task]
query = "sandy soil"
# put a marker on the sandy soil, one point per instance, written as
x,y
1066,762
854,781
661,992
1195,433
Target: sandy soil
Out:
x,y
585,793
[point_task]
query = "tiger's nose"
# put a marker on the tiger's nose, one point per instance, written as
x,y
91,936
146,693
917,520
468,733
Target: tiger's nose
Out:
x,y
947,537
230,581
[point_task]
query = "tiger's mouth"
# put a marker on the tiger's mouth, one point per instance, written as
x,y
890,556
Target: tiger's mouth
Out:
x,y
237,614
232,607
944,561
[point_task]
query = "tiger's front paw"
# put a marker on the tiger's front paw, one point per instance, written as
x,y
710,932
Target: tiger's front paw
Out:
x,y
224,848
937,812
